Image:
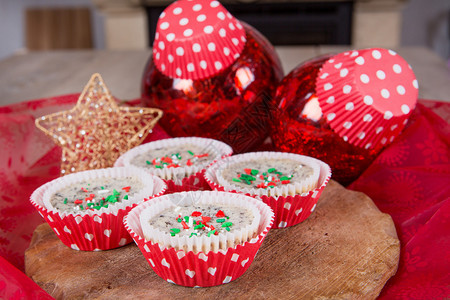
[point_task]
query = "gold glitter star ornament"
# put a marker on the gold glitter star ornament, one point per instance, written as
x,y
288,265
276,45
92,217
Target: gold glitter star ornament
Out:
x,y
97,131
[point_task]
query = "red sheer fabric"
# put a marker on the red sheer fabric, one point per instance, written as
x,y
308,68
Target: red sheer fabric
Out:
x,y
409,180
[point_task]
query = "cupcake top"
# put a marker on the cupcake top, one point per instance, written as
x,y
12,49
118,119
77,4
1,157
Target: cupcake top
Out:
x,y
175,158
266,173
98,191
94,194
200,221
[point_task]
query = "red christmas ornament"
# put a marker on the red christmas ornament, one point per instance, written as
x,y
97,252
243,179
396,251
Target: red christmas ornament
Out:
x,y
344,109
212,75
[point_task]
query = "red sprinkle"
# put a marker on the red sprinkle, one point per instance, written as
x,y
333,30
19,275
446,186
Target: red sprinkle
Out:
x,y
261,185
126,189
285,181
189,162
201,155
205,219
220,214
167,160
185,226
196,214
84,190
248,171
272,184
78,201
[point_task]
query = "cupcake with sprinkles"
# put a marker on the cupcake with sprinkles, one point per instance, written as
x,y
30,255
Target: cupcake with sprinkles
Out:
x,y
86,209
200,238
180,162
290,183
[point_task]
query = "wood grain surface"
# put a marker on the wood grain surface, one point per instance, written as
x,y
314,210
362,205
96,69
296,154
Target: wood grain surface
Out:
x,y
347,249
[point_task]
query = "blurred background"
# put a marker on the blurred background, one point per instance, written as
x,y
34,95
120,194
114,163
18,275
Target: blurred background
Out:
x,y
29,25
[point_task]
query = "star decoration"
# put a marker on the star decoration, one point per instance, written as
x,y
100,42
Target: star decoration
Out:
x,y
96,131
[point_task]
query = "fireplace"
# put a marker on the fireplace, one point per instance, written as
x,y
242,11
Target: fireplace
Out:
x,y
284,23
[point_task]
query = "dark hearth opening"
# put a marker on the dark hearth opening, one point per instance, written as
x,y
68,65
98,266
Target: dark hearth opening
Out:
x,y
285,23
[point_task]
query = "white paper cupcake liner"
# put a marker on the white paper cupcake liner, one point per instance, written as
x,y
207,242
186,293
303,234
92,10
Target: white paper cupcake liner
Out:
x,y
93,230
200,269
290,189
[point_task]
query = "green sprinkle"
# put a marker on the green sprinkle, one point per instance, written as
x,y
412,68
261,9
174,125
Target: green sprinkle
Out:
x,y
148,162
102,187
158,166
264,174
248,182
220,220
186,219
227,224
254,172
236,180
90,204
125,197
81,207
179,220
97,207
105,206
190,152
199,226
284,178
65,201
211,232
192,234
271,170
278,173
247,177
174,231
116,193
227,228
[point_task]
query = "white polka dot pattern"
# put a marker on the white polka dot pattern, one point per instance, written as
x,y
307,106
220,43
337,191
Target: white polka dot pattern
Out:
x,y
196,39
378,90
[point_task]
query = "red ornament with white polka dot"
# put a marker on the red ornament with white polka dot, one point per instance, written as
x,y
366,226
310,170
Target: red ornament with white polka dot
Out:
x,y
345,108
212,75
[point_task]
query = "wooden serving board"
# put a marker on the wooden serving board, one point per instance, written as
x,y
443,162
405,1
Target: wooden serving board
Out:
x,y
346,249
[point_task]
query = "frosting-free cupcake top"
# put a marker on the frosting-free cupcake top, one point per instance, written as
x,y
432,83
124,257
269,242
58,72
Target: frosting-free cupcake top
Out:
x,y
266,173
94,194
175,156
199,220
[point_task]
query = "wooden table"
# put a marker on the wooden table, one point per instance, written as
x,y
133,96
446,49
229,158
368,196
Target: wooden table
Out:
x,y
45,74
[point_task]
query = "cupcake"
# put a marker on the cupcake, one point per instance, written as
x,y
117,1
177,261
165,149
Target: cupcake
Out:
x,y
86,209
200,238
290,184
180,162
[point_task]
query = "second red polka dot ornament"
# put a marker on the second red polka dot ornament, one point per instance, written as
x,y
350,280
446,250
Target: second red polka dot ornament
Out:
x,y
212,75
345,108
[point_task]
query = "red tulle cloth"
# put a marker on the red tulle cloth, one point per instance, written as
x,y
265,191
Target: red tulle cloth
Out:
x,y
409,180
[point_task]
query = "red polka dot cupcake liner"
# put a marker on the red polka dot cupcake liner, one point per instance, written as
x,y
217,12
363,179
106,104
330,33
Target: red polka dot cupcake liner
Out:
x,y
289,210
95,230
184,178
199,269
367,95
196,39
